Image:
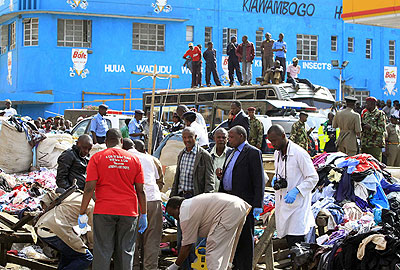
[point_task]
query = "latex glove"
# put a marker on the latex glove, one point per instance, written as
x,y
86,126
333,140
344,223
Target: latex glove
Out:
x,y
291,196
173,267
82,221
273,181
257,212
142,223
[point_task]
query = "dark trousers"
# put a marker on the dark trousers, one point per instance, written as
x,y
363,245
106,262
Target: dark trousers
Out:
x,y
283,64
196,73
116,235
244,251
232,66
69,258
101,140
200,76
212,69
298,80
292,240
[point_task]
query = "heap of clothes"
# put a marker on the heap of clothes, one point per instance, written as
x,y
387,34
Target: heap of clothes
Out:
x,y
360,204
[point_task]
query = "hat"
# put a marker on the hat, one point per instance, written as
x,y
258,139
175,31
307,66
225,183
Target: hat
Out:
x,y
190,44
251,109
103,106
350,99
7,101
371,99
189,113
304,113
295,59
138,111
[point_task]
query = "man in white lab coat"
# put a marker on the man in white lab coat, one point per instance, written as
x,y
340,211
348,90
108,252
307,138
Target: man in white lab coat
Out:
x,y
293,215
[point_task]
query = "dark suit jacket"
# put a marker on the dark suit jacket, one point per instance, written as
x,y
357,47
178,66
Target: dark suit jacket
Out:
x,y
248,180
240,120
203,175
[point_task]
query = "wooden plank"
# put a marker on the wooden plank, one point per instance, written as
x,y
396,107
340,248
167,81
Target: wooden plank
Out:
x,y
265,240
32,264
16,238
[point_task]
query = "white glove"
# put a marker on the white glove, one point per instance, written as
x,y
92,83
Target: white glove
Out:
x,y
173,267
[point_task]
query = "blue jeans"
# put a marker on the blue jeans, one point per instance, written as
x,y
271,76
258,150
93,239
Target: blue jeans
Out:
x,y
69,258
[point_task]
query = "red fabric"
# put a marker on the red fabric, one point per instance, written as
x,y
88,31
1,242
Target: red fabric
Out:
x,y
13,252
195,54
268,208
115,171
363,112
250,54
366,162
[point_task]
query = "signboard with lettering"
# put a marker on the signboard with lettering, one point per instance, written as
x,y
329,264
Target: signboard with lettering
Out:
x,y
390,78
79,58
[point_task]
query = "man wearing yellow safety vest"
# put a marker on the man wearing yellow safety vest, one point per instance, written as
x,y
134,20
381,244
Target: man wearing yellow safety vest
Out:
x,y
327,135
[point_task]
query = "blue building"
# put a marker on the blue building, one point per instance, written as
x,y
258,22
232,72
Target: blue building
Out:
x,y
54,54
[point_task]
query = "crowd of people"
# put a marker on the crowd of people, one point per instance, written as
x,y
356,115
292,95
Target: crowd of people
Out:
x,y
273,71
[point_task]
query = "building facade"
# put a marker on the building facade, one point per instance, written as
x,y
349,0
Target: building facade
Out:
x,y
55,54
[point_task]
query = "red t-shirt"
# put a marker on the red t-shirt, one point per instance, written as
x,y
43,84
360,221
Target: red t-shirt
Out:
x,y
115,171
195,54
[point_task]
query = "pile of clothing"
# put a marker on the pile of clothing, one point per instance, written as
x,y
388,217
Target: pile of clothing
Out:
x,y
359,203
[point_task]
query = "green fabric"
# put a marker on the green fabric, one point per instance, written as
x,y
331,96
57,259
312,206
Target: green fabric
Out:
x,y
256,133
375,136
125,132
299,135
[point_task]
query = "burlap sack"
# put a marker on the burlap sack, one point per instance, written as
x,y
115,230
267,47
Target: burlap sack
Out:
x,y
51,148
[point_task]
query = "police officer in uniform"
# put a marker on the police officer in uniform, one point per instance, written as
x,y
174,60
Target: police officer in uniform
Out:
x,y
298,134
256,129
393,142
99,126
373,129
349,123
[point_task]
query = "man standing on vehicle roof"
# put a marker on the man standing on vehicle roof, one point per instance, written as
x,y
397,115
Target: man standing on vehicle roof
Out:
x,y
210,55
195,53
280,49
99,126
256,129
298,134
245,53
233,62
135,128
349,123
267,53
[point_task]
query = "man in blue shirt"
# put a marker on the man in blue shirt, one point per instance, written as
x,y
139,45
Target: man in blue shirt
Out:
x,y
135,128
99,126
280,49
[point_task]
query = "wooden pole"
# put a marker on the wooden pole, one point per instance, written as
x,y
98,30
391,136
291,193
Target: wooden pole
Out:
x,y
130,95
151,120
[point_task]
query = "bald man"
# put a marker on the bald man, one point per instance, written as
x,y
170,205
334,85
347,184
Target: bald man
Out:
x,y
72,163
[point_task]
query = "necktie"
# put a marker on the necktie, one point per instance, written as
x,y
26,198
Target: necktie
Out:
x,y
230,157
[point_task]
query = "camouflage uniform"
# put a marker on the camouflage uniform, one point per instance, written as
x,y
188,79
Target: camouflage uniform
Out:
x,y
392,145
372,140
256,133
299,135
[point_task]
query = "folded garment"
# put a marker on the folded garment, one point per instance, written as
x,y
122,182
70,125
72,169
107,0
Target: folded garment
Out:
x,y
377,239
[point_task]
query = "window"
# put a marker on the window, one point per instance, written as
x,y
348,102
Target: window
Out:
x,y
259,39
157,99
205,97
8,37
245,95
361,95
189,32
368,48
227,33
188,98
4,38
225,95
261,94
307,47
334,43
392,55
350,44
74,33
148,37
12,35
170,99
207,35
31,31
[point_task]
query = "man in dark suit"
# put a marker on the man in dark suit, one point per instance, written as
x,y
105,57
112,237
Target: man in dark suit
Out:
x,y
243,176
237,117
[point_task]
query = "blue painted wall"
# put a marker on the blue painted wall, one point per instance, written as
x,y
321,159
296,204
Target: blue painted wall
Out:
x,y
46,67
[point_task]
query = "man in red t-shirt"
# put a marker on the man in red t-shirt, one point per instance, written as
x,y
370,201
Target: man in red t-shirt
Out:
x,y
117,177
195,54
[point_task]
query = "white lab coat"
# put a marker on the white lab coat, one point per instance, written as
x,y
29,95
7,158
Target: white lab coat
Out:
x,y
296,218
202,135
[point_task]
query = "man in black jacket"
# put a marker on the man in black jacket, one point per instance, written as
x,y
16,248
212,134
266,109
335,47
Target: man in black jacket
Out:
x,y
210,55
237,117
233,62
72,163
243,176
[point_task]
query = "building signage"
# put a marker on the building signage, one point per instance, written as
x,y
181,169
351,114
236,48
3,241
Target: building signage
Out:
x,y
9,67
390,78
161,6
114,68
78,3
150,69
79,58
279,7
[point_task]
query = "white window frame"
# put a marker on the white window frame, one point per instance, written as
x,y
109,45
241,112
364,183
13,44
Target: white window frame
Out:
x,y
189,33
13,35
148,37
4,38
392,52
334,40
31,31
259,40
368,48
227,33
207,35
74,33
307,47
350,44
361,96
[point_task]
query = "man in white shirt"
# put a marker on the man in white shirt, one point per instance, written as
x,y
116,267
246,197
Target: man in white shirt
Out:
x,y
218,152
9,111
181,109
148,243
295,178
292,76
190,121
